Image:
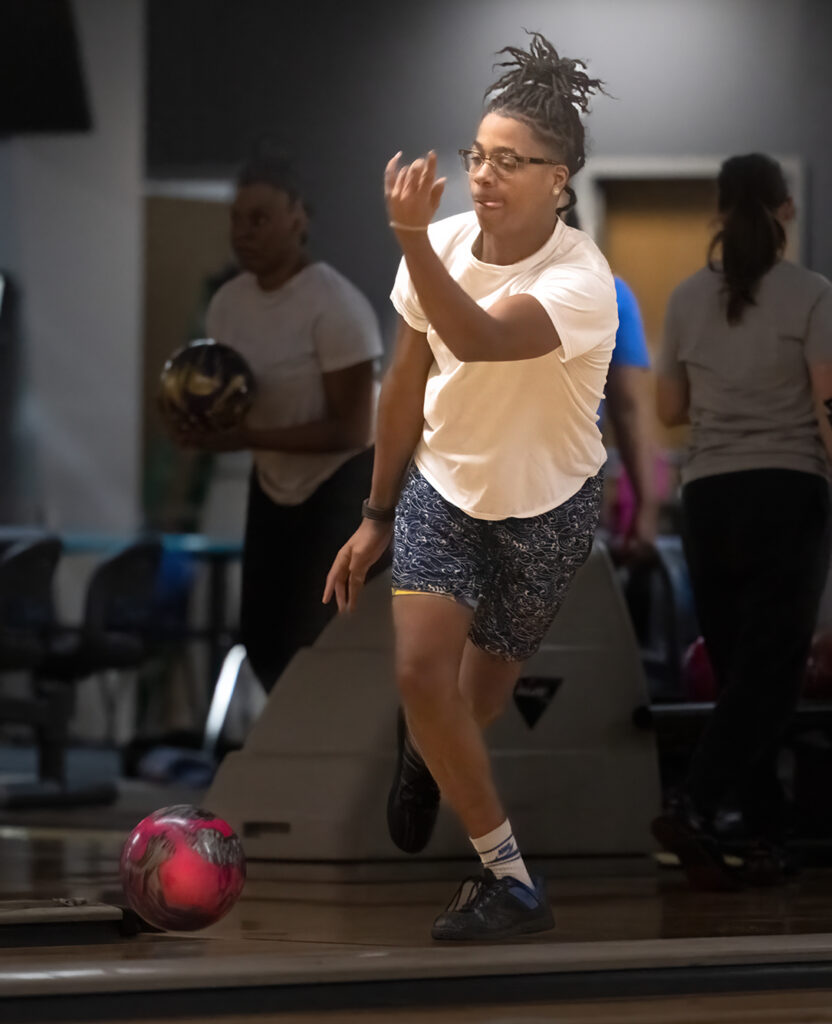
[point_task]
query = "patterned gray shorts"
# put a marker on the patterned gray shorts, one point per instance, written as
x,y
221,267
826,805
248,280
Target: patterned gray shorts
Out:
x,y
514,573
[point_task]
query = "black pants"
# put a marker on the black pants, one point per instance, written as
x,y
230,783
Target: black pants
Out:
x,y
288,552
757,544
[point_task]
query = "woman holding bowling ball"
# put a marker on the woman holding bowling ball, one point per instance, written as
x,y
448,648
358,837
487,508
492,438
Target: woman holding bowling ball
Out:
x,y
311,339
747,360
488,458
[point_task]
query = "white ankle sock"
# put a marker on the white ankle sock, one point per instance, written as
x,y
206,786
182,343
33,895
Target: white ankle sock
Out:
x,y
498,852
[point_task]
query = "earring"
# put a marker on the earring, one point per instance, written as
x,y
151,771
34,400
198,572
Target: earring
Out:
x,y
555,191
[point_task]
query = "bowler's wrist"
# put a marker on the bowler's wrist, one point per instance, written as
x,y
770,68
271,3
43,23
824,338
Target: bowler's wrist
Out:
x,y
377,513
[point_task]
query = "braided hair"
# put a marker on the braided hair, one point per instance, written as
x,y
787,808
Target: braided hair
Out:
x,y
548,93
750,188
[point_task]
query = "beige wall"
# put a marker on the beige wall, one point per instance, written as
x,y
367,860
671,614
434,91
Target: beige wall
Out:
x,y
186,242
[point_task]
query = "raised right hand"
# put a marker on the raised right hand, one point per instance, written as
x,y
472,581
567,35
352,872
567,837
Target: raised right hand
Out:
x,y
355,559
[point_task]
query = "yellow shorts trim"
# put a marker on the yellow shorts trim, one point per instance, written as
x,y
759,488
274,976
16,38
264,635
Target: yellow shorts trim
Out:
x,y
422,593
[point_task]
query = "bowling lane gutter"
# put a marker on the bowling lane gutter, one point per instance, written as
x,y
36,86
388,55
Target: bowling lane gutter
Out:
x,y
24,976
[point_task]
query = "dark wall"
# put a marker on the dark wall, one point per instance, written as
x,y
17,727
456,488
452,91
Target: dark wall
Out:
x,y
42,82
345,85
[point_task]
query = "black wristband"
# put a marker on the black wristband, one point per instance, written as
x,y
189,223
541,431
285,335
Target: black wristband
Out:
x,y
381,515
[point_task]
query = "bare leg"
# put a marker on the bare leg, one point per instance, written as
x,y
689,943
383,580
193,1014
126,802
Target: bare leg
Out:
x,y
486,683
431,636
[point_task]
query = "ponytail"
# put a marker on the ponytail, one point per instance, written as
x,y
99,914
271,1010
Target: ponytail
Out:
x,y
751,188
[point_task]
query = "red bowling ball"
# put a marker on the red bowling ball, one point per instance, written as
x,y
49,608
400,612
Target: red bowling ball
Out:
x,y
182,868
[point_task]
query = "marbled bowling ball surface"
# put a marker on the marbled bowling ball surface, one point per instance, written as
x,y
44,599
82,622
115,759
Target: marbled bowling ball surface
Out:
x,y
182,868
206,386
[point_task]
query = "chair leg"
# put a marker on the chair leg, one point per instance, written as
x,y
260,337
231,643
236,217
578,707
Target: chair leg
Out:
x,y
108,685
52,789
53,736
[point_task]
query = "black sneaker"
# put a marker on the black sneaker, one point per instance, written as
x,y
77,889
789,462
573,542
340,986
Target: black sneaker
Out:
x,y
413,803
485,908
684,831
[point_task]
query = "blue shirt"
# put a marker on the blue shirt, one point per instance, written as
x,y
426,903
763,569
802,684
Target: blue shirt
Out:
x,y
630,343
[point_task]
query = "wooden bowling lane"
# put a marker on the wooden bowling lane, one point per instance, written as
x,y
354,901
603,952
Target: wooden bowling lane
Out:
x,y
735,1008
304,944
633,902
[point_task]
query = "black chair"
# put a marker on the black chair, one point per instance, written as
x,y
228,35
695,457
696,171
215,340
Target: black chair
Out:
x,y
119,615
27,611
116,633
27,626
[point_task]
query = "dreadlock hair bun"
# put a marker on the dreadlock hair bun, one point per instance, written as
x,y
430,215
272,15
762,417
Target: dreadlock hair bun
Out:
x,y
548,93
750,189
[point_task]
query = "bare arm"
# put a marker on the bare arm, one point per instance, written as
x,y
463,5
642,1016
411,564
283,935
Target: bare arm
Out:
x,y
627,408
400,422
672,400
516,327
349,404
400,414
821,377
346,425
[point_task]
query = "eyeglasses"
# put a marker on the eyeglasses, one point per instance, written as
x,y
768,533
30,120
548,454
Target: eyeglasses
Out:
x,y
504,162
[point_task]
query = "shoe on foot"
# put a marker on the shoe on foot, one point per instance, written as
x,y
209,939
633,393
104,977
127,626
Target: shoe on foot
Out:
x,y
486,908
682,830
413,803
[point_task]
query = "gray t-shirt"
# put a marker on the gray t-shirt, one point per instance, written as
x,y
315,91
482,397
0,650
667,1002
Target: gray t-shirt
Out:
x,y
751,403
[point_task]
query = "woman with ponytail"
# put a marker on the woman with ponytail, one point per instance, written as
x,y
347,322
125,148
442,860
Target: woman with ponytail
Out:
x,y
488,458
747,360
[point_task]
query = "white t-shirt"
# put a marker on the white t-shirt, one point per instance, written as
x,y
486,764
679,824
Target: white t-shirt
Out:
x,y
520,437
316,323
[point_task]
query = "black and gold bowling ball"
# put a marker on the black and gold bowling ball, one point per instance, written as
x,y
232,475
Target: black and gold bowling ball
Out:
x,y
205,386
